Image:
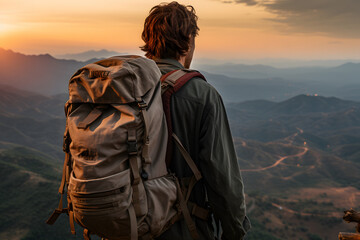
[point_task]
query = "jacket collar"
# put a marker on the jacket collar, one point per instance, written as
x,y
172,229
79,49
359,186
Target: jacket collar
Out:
x,y
169,61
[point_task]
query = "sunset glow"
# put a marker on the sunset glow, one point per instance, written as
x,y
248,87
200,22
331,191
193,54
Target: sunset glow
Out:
x,y
228,29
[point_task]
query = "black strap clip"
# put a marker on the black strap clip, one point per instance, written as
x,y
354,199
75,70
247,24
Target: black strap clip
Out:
x,y
66,142
132,147
142,104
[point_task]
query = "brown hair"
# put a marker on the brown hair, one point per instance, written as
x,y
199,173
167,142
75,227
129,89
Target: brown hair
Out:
x,y
168,30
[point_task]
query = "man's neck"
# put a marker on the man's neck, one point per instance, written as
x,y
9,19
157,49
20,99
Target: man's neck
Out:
x,y
182,61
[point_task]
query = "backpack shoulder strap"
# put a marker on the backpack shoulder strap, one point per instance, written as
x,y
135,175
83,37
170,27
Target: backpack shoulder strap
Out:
x,y
177,78
170,84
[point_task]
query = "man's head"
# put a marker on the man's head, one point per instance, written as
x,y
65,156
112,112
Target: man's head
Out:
x,y
169,32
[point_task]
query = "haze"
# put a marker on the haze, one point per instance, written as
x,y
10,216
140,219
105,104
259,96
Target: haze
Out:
x,y
236,29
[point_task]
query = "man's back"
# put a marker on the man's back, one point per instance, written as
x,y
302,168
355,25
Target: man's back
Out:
x,y
200,122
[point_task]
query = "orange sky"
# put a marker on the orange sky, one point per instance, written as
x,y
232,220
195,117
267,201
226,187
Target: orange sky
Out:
x,y
246,29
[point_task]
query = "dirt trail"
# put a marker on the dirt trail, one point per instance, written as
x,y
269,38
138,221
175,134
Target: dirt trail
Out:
x,y
277,162
290,139
331,214
328,214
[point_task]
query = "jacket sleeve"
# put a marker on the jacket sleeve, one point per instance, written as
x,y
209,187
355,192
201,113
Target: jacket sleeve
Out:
x,y
221,172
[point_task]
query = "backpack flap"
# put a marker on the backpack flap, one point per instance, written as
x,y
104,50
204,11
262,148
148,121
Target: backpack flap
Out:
x,y
114,80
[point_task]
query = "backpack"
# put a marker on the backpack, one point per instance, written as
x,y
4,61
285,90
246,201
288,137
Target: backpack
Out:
x,y
115,172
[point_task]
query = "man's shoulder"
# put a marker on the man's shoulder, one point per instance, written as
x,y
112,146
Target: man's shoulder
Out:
x,y
200,90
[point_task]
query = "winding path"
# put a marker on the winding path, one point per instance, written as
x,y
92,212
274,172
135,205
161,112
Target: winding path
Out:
x,y
277,162
290,139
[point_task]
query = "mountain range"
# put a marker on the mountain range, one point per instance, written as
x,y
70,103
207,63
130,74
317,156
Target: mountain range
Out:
x,y
318,156
48,76
300,164
92,54
299,156
345,73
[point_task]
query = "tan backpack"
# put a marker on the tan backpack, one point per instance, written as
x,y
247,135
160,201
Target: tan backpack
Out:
x,y
115,173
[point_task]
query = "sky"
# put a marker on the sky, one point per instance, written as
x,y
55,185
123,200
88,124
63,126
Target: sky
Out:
x,y
229,29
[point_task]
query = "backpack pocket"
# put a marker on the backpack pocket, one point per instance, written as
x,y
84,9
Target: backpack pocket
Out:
x,y
162,197
103,205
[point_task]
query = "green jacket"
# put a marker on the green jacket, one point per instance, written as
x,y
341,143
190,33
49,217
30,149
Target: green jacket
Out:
x,y
199,120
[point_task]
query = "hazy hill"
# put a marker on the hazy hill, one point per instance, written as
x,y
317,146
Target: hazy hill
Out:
x,y
30,104
264,82
32,120
264,131
309,104
47,75
300,164
345,73
300,156
86,56
28,194
242,89
299,104
38,73
269,121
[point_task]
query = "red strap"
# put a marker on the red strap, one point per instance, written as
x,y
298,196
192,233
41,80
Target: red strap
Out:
x,y
166,98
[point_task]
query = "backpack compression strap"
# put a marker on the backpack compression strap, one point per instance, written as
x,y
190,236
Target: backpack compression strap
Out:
x,y
170,84
65,178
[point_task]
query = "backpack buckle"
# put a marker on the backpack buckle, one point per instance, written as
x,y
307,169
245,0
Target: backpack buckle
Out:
x,y
132,147
66,143
141,103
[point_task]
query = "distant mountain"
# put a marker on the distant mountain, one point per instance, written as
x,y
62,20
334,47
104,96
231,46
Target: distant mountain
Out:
x,y
47,75
42,74
300,104
32,120
326,124
299,161
241,89
342,81
28,195
88,55
308,104
348,72
315,114
14,101
316,140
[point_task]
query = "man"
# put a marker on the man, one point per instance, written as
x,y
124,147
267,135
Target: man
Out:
x,y
199,120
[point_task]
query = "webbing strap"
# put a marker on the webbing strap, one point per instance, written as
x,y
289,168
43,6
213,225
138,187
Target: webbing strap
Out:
x,y
145,150
179,77
63,179
93,115
172,78
136,184
136,199
71,220
134,170
133,223
59,210
198,212
86,234
185,211
191,185
187,158
134,166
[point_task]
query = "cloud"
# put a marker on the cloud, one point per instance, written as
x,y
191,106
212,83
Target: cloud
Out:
x,y
338,18
247,2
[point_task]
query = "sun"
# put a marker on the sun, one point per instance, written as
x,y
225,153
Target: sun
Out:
x,y
4,28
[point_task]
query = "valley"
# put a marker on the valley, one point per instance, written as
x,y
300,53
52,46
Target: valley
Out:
x,y
299,152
